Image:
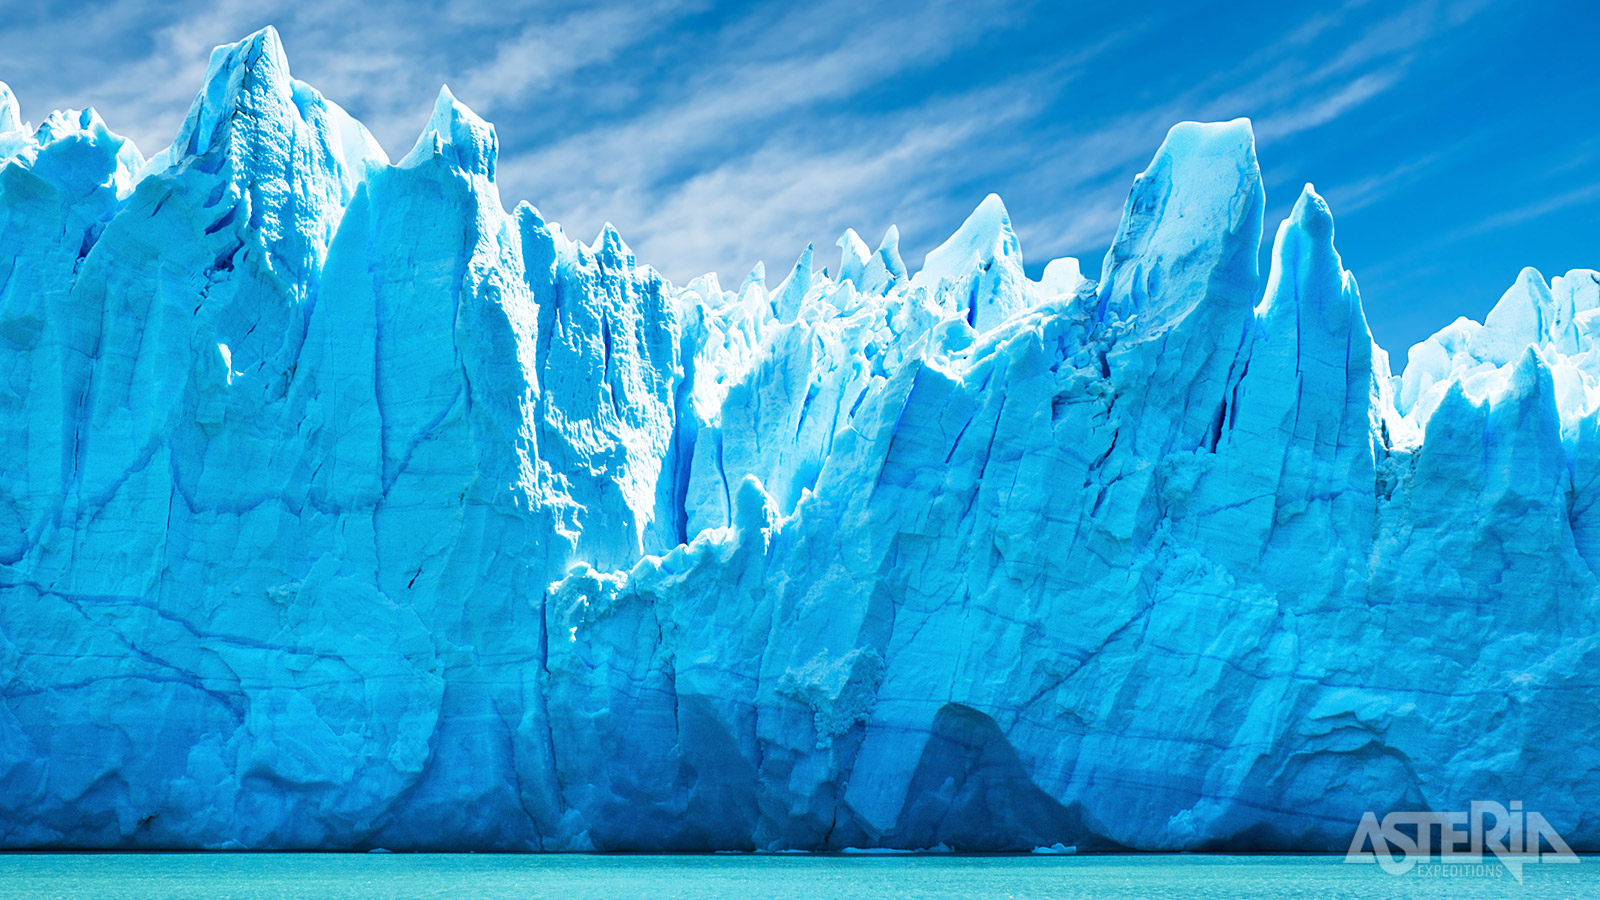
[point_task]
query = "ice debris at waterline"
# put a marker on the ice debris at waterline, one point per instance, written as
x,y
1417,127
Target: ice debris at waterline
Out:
x,y
340,508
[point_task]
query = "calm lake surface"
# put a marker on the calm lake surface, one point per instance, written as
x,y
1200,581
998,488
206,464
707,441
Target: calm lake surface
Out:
x,y
268,876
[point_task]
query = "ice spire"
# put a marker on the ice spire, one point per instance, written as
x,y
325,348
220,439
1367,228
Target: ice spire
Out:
x,y
10,115
288,161
1520,318
786,298
609,246
458,134
1191,229
1310,378
247,83
885,268
758,275
979,269
1183,272
853,256
13,136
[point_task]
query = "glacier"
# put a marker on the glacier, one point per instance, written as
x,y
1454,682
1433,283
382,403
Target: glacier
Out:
x,y
341,508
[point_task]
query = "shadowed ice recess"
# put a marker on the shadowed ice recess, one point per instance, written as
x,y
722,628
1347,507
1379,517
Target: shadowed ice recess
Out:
x,y
341,508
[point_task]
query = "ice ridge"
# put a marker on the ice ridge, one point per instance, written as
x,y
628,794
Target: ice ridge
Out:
x,y
341,507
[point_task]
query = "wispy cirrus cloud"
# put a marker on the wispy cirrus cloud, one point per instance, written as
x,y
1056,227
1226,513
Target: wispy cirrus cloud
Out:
x,y
716,134
780,106
545,51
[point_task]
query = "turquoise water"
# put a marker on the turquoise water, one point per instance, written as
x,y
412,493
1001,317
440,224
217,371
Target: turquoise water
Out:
x,y
270,876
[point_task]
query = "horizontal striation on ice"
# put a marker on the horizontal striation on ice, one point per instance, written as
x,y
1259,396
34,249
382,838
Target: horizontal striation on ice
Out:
x,y
342,508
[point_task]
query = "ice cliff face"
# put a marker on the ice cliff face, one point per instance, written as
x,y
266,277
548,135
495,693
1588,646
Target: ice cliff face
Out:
x,y
342,508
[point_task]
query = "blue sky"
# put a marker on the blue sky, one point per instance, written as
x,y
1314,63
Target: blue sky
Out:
x,y
1455,142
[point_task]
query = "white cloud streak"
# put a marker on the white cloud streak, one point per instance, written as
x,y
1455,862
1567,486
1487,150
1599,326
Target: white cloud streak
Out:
x,y
763,142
